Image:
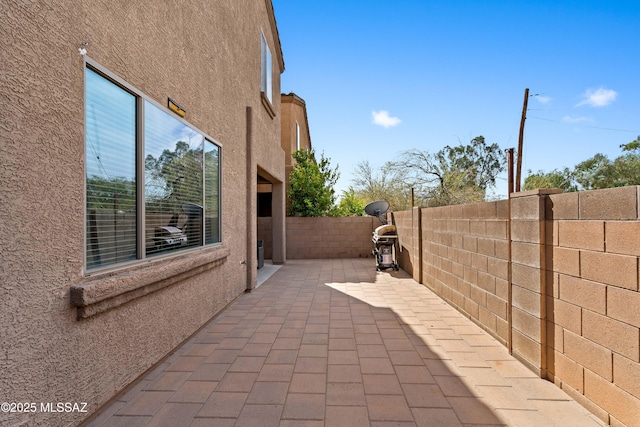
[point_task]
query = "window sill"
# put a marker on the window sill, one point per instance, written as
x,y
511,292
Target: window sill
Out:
x,y
267,105
97,295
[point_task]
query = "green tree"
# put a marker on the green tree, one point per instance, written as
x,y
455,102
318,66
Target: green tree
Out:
x,y
384,183
594,173
350,204
453,175
311,183
633,146
118,194
601,172
563,179
175,177
477,163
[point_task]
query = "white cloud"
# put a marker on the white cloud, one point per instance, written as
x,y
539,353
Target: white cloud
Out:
x,y
382,118
598,98
575,119
543,99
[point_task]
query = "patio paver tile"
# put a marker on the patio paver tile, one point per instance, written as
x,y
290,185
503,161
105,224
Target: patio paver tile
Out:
x,y
237,381
223,356
210,372
313,350
259,415
381,384
311,365
268,393
343,357
436,417
221,405
168,381
425,396
388,408
146,403
344,374
333,342
247,364
352,416
348,394
304,407
276,372
127,421
308,383
376,365
171,414
414,375
194,392
282,356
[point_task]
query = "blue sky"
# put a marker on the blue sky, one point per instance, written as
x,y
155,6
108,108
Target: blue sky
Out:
x,y
380,77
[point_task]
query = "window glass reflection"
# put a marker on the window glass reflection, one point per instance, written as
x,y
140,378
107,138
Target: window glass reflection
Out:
x,y
110,138
173,182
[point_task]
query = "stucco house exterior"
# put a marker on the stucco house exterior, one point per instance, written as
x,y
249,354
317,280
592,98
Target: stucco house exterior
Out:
x,y
295,135
295,128
134,138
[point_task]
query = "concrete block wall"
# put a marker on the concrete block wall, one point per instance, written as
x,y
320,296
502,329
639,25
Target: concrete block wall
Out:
x,y
464,260
593,300
407,240
316,238
555,277
529,278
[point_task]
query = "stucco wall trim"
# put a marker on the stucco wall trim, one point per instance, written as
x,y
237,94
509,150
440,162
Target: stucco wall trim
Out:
x,y
267,105
97,295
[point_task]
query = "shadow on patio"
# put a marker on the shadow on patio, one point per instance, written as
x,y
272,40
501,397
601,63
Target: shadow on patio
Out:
x,y
335,343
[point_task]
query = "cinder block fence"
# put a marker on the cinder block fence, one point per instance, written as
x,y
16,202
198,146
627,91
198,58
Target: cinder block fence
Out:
x,y
552,276
318,238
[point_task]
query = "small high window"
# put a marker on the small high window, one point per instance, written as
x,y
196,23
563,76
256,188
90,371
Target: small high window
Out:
x,y
266,69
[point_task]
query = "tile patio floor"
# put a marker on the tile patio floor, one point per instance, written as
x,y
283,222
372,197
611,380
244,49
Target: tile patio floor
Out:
x,y
335,343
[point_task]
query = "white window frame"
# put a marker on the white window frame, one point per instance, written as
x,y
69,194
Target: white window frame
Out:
x,y
266,68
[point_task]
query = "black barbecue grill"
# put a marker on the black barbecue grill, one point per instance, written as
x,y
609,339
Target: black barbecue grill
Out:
x,y
384,237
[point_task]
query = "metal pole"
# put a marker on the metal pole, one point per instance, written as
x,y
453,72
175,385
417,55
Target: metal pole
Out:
x,y
509,270
521,138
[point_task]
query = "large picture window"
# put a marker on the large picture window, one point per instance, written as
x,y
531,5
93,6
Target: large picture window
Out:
x,y
153,181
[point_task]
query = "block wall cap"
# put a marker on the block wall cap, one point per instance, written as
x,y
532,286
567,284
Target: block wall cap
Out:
x,y
536,192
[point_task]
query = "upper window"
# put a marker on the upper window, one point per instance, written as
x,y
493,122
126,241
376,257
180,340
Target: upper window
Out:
x,y
153,181
266,69
297,136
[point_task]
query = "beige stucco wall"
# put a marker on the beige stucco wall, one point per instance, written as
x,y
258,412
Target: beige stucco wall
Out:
x,y
294,110
205,56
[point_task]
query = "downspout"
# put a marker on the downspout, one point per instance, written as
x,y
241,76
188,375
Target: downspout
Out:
x,y
251,243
